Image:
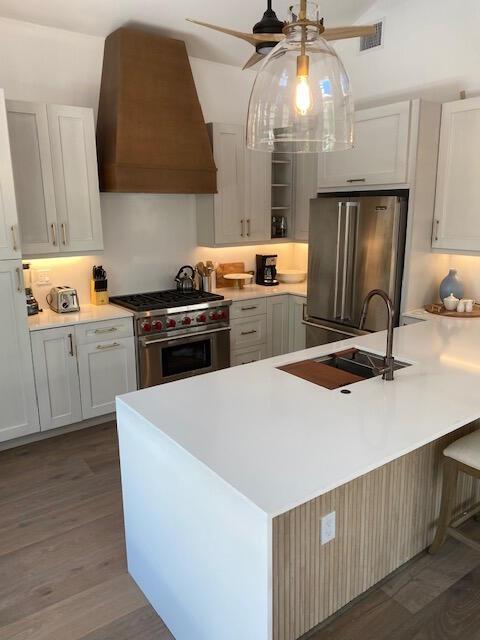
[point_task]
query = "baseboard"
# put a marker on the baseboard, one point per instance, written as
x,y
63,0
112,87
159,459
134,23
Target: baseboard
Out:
x,y
51,433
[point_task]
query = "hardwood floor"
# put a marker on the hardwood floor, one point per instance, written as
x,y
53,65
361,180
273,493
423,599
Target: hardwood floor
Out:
x,y
63,573
62,557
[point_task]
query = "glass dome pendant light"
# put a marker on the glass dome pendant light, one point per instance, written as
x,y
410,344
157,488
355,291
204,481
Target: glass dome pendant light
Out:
x,y
301,100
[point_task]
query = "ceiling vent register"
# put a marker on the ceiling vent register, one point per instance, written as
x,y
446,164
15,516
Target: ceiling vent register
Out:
x,y
374,40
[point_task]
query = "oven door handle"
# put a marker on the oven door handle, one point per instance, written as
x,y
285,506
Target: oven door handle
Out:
x,y
146,343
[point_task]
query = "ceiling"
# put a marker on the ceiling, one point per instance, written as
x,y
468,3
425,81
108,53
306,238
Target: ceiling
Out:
x,y
101,17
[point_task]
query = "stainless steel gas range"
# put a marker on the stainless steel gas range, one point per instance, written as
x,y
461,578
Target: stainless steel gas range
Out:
x,y
178,334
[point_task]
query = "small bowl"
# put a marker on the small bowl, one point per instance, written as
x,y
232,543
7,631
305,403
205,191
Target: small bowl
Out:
x,y
291,276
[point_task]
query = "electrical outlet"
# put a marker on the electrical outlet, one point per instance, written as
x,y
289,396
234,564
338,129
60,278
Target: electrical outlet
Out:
x,y
43,276
327,527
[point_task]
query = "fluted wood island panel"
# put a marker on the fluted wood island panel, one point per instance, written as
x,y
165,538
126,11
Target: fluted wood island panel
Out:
x,y
383,519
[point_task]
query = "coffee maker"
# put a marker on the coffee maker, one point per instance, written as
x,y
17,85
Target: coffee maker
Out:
x,y
266,270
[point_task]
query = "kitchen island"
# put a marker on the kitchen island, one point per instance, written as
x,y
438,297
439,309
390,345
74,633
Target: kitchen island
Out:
x,y
226,477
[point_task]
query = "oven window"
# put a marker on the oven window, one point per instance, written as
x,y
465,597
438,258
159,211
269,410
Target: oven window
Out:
x,y
183,358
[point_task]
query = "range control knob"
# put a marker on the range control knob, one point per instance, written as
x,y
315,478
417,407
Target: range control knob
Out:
x,y
222,315
146,326
202,318
187,320
214,315
158,325
171,323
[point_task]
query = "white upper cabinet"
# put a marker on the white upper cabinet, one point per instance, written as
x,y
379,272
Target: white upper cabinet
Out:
x,y
32,167
18,413
9,234
380,154
74,158
240,212
258,195
456,224
56,180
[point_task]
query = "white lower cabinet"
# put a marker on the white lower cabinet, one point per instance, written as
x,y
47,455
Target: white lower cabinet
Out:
x,y
18,413
107,369
266,327
249,354
56,377
277,325
79,370
296,328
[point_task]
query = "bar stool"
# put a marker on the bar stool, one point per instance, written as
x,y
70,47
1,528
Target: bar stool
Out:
x,y
461,455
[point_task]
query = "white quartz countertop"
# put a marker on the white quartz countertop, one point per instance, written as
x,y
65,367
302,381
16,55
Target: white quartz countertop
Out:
x,y
251,291
281,441
48,319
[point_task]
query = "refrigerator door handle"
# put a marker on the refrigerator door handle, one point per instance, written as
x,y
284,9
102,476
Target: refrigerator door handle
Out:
x,y
349,259
337,263
345,260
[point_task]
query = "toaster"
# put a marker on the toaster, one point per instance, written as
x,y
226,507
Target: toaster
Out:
x,y
63,299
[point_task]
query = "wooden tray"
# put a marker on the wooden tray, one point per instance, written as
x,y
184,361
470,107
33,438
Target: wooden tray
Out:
x,y
439,310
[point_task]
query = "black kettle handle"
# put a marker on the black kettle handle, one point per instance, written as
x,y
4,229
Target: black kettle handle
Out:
x,y
186,266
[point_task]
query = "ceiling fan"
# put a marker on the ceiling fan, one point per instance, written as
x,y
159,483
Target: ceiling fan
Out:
x,y
269,31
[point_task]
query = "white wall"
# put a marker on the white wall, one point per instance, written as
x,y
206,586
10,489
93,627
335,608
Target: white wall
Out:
x,y
147,237
430,51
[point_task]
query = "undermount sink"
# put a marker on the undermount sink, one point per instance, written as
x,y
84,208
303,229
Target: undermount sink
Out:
x,y
360,363
341,369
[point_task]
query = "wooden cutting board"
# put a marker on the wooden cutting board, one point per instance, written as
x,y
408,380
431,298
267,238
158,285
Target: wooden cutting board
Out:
x,y
228,267
321,374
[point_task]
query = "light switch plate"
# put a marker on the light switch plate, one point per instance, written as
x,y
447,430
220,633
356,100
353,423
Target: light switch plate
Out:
x,y
43,276
327,527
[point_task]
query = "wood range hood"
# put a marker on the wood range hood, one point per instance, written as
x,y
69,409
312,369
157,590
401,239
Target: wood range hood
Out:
x,y
151,135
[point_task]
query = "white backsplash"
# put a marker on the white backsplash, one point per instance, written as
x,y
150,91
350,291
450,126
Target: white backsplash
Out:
x,y
147,239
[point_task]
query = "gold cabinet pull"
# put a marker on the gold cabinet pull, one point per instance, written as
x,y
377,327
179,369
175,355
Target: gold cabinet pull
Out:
x,y
102,347
54,234
248,227
64,233
106,330
242,227
19,279
14,238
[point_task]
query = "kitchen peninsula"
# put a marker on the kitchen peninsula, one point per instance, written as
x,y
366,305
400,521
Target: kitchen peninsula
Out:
x,y
226,478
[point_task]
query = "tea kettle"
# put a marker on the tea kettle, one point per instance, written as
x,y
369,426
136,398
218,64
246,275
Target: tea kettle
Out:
x,y
185,279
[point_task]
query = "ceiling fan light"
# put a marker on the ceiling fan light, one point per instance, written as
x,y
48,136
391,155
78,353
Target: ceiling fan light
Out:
x,y
278,119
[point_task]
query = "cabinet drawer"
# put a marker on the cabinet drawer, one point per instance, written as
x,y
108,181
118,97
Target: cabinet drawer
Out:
x,y
247,308
248,332
250,354
105,330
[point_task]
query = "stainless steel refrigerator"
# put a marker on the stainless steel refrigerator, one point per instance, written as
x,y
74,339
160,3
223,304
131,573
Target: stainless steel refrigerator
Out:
x,y
356,244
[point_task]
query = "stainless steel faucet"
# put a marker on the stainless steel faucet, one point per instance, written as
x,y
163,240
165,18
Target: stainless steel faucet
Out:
x,y
387,372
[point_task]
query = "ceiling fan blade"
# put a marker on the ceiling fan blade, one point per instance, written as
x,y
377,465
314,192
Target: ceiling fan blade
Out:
x,y
248,37
268,37
253,60
343,33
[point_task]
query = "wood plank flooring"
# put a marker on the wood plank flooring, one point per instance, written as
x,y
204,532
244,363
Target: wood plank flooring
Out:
x,y
63,573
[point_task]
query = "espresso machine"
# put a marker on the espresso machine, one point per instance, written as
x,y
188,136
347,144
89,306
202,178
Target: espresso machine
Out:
x,y
32,304
266,270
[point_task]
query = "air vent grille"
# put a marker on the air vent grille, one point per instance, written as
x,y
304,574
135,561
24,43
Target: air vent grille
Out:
x,y
375,40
